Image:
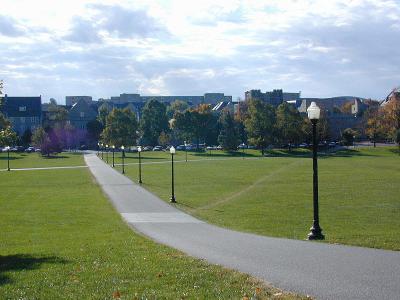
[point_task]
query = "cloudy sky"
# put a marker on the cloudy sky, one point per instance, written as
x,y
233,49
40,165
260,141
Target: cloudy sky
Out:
x,y
103,48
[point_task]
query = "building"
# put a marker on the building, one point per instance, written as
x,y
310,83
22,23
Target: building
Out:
x,y
80,114
275,97
71,100
24,113
208,98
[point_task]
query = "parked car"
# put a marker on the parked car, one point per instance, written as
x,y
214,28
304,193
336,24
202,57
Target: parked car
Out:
x,y
158,148
30,149
303,145
180,147
242,146
147,148
219,147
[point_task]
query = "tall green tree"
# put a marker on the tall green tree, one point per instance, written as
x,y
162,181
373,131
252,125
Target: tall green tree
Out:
x,y
4,123
176,106
94,130
121,128
229,137
103,113
7,137
154,121
288,124
260,123
40,139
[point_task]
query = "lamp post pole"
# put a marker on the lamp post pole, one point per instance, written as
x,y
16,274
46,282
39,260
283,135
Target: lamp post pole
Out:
x,y
185,150
8,158
113,150
243,150
98,149
102,150
106,153
172,151
315,230
140,165
123,159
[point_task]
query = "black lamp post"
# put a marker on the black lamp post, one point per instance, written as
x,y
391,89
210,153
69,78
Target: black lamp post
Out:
x,y
123,159
113,150
243,149
98,149
106,153
8,158
102,150
185,150
315,231
140,165
172,151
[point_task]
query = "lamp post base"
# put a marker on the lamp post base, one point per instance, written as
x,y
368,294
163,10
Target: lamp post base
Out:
x,y
172,200
140,182
315,233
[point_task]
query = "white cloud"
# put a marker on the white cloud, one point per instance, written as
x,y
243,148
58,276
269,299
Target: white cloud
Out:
x,y
323,48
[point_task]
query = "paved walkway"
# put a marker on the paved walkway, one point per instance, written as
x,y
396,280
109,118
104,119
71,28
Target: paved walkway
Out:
x,y
321,270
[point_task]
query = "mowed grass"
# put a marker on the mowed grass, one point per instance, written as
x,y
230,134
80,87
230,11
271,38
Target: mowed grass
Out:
x,y
61,239
358,192
35,160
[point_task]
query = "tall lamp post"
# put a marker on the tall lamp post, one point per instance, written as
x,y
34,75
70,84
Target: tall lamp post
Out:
x,y
8,158
185,150
102,150
106,153
98,148
123,159
313,112
172,151
140,164
113,150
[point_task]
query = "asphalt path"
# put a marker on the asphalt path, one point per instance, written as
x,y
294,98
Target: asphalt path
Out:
x,y
321,270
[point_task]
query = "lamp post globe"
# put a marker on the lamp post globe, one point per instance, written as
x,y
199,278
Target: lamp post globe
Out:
x,y
172,151
140,164
123,159
98,148
313,112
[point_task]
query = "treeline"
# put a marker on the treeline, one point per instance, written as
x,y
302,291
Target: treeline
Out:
x,y
256,123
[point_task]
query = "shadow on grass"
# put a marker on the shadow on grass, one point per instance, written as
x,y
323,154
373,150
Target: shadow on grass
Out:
x,y
11,158
145,158
23,262
224,154
54,156
395,151
322,153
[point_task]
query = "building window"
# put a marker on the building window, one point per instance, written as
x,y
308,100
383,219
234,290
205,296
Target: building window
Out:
x,y
22,108
82,114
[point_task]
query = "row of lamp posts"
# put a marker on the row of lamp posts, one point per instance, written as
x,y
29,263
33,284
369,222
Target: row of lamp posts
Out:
x,y
313,112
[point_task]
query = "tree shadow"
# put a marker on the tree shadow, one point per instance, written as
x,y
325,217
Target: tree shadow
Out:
x,y
54,156
144,157
23,262
287,153
395,151
349,153
11,158
224,154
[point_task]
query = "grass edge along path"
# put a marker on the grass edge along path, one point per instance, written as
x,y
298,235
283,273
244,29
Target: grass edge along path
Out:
x,y
61,238
358,194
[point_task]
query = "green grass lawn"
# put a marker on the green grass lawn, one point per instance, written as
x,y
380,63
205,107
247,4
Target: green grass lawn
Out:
x,y
60,238
35,160
359,192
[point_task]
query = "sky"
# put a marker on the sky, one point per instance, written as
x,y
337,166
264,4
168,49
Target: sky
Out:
x,y
56,48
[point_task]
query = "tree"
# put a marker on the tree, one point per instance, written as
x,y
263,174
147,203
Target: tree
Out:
x,y
26,137
57,116
121,128
260,123
288,124
176,106
374,124
103,113
7,137
4,123
397,138
164,139
391,112
154,121
94,129
40,139
228,137
348,136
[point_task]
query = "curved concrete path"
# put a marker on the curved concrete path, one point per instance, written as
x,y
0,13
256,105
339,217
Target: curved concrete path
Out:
x,y
321,270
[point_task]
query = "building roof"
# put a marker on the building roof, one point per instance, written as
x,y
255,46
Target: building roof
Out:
x,y
22,106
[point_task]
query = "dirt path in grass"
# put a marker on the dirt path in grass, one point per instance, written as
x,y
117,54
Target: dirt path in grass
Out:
x,y
247,189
